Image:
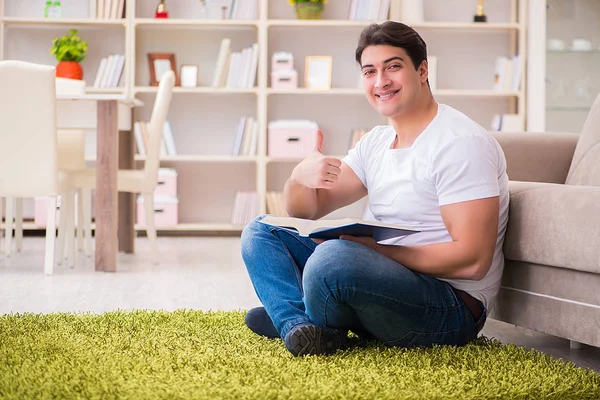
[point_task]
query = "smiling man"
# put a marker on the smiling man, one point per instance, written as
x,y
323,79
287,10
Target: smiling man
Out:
x,y
434,169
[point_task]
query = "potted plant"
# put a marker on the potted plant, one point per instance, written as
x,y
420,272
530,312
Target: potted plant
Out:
x,y
308,9
69,50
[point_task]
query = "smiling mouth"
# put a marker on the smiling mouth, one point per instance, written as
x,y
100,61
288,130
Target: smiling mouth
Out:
x,y
387,95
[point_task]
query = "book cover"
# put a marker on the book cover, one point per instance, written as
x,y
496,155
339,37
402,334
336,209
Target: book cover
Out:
x,y
334,228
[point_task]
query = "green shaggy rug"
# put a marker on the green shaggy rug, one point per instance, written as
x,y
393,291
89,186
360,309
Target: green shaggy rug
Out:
x,y
199,355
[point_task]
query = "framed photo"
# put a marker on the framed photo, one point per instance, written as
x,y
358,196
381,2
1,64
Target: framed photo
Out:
x,y
159,63
189,75
317,72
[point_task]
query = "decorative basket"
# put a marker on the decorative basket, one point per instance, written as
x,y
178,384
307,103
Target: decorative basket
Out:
x,y
309,10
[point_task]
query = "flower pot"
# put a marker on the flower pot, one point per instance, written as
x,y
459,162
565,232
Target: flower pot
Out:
x,y
69,70
309,10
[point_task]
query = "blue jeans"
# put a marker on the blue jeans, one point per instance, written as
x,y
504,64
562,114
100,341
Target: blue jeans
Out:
x,y
345,285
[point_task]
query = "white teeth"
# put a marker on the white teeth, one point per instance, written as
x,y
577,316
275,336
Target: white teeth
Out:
x,y
385,96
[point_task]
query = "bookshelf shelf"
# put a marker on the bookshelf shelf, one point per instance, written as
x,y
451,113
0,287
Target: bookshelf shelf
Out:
x,y
203,90
41,22
205,159
205,119
360,92
425,25
187,23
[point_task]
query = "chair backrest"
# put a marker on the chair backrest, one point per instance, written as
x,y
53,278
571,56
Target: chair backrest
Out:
x,y
586,160
28,165
155,128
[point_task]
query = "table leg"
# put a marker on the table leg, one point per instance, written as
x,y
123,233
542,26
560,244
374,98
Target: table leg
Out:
x,y
106,186
126,200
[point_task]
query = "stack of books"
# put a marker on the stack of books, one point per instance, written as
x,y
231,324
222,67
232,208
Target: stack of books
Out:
x,y
275,204
167,144
246,138
245,207
107,9
369,10
236,70
109,71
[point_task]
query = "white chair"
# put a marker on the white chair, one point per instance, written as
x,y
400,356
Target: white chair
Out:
x,y
28,163
144,180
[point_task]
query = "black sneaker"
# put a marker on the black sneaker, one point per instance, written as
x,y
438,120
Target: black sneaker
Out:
x,y
260,323
309,339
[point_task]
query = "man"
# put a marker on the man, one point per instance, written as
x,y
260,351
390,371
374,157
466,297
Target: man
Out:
x,y
433,169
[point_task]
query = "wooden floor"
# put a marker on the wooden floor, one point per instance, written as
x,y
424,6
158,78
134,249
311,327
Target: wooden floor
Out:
x,y
194,273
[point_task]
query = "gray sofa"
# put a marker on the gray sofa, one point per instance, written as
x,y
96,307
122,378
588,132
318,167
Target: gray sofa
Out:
x,y
551,280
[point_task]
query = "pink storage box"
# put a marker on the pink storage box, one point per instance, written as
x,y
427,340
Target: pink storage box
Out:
x,y
167,183
282,60
166,212
40,211
291,138
284,79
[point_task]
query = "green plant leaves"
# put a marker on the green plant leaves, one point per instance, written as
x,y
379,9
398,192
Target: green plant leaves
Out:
x,y
69,47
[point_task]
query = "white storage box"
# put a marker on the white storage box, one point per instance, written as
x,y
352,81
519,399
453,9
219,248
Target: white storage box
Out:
x,y
166,212
284,79
291,138
167,183
282,60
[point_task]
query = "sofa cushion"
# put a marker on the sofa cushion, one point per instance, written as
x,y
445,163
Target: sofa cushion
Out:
x,y
553,224
586,160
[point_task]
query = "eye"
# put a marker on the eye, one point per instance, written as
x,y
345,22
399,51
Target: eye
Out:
x,y
368,72
395,66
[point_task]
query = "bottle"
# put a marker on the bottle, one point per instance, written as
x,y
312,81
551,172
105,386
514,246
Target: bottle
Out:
x,y
161,10
47,9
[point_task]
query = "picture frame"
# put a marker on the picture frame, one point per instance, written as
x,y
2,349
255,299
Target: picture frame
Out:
x,y
158,63
188,75
317,72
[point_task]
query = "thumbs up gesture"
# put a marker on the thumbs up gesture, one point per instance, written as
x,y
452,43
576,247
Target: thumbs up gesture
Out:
x,y
317,171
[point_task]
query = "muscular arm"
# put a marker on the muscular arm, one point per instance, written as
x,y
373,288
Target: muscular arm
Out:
x,y
473,226
314,203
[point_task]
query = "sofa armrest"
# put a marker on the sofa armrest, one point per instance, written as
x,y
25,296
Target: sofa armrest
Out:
x,y
554,225
538,157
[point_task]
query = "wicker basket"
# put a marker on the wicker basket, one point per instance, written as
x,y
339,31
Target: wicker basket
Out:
x,y
308,10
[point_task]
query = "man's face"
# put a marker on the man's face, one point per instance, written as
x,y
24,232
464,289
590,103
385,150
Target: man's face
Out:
x,y
389,78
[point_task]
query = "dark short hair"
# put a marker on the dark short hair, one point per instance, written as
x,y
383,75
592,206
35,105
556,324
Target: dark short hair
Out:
x,y
393,34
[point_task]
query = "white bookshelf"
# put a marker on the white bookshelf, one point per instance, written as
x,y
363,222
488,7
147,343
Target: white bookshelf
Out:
x,y
204,118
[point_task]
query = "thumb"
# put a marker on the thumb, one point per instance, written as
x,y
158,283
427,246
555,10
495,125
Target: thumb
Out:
x,y
319,143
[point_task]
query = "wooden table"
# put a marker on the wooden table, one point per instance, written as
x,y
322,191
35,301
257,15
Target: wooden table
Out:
x,y
112,232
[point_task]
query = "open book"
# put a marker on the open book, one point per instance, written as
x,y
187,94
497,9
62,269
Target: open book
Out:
x,y
334,228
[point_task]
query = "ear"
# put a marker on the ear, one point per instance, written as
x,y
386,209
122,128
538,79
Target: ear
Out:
x,y
424,71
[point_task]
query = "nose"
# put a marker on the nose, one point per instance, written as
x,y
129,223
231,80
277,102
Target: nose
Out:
x,y
382,81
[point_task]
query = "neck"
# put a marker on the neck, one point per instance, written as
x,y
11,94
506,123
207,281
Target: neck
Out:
x,y
411,123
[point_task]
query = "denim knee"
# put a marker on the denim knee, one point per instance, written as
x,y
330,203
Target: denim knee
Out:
x,y
249,235
331,261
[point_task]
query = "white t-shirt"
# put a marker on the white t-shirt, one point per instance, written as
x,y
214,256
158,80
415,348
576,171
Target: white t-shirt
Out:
x,y
453,160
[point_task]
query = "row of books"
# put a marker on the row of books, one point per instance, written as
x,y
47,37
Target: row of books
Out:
x,y
275,204
236,69
369,10
243,9
507,76
245,207
246,137
109,71
107,9
167,144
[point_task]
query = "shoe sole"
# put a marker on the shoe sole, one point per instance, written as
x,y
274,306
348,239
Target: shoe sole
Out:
x,y
309,340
